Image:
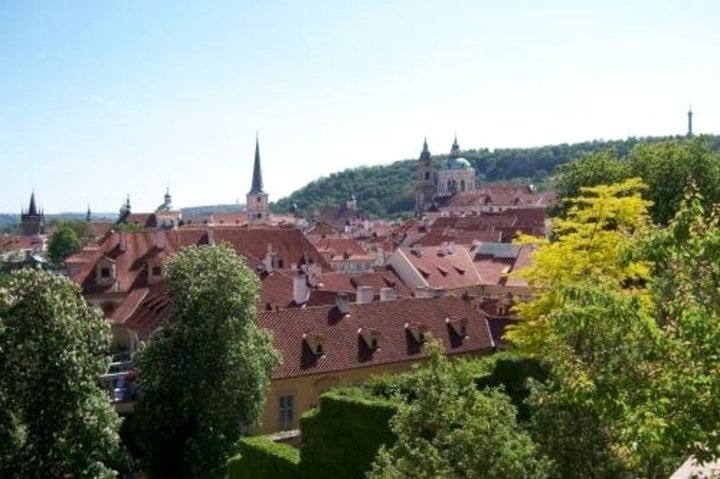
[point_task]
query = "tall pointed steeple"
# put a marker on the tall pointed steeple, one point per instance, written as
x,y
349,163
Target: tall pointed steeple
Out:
x,y
257,204
257,182
88,216
690,114
32,210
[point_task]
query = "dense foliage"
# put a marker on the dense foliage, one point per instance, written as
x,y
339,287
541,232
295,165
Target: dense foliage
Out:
x,y
452,430
55,421
626,315
204,376
389,190
262,458
348,451
64,242
666,168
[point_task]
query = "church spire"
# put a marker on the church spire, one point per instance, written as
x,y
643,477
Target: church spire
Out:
x,y
257,182
425,153
690,114
455,149
32,210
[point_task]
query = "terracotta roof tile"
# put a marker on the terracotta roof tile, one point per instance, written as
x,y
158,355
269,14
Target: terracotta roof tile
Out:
x,y
460,271
343,346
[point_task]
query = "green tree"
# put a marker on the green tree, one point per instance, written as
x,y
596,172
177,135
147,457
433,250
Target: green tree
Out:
x,y
602,168
665,167
204,376
451,430
627,317
55,421
668,167
63,243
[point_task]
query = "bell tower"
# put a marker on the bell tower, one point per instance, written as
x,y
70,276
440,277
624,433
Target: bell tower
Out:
x,y
257,204
425,184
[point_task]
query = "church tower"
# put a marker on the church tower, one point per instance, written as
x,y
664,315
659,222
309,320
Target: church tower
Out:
x,y
425,185
690,114
32,221
257,205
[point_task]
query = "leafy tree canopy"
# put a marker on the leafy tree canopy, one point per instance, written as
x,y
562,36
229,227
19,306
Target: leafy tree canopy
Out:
x,y
55,421
626,315
665,167
203,377
453,430
389,190
63,243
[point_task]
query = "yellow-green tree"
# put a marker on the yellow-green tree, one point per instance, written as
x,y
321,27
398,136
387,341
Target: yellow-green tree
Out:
x,y
626,315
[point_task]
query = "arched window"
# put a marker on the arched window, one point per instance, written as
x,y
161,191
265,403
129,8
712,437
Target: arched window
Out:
x,y
462,185
427,175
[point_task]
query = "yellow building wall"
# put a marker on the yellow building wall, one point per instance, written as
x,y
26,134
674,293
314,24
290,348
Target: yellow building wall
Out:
x,y
306,391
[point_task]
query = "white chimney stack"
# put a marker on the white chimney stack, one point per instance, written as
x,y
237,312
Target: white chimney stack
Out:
x,y
365,294
160,239
122,241
300,289
387,294
343,303
211,236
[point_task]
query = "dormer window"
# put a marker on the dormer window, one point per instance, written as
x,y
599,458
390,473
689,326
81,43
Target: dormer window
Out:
x,y
371,337
316,343
105,271
458,326
417,330
155,270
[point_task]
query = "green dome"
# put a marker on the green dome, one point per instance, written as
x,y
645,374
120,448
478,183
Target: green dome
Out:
x,y
457,164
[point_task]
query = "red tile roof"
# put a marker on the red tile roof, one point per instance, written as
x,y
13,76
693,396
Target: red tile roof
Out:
x,y
131,265
450,270
381,278
19,243
502,195
343,346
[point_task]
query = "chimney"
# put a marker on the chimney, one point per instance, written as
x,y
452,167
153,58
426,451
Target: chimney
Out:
x,y
300,289
211,235
417,249
160,239
387,294
423,292
342,303
451,247
267,263
444,248
314,271
122,241
365,294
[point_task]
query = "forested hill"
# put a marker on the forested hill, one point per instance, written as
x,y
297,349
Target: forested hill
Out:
x,y
389,190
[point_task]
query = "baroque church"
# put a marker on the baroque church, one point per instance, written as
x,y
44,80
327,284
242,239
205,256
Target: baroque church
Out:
x,y
455,176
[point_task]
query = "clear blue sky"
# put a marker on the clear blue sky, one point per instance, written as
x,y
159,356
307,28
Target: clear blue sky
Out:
x,y
103,98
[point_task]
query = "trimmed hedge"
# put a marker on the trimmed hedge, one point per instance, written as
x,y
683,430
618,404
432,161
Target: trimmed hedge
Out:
x,y
260,457
342,437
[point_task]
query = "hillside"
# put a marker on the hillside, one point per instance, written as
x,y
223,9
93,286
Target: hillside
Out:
x,y
389,190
